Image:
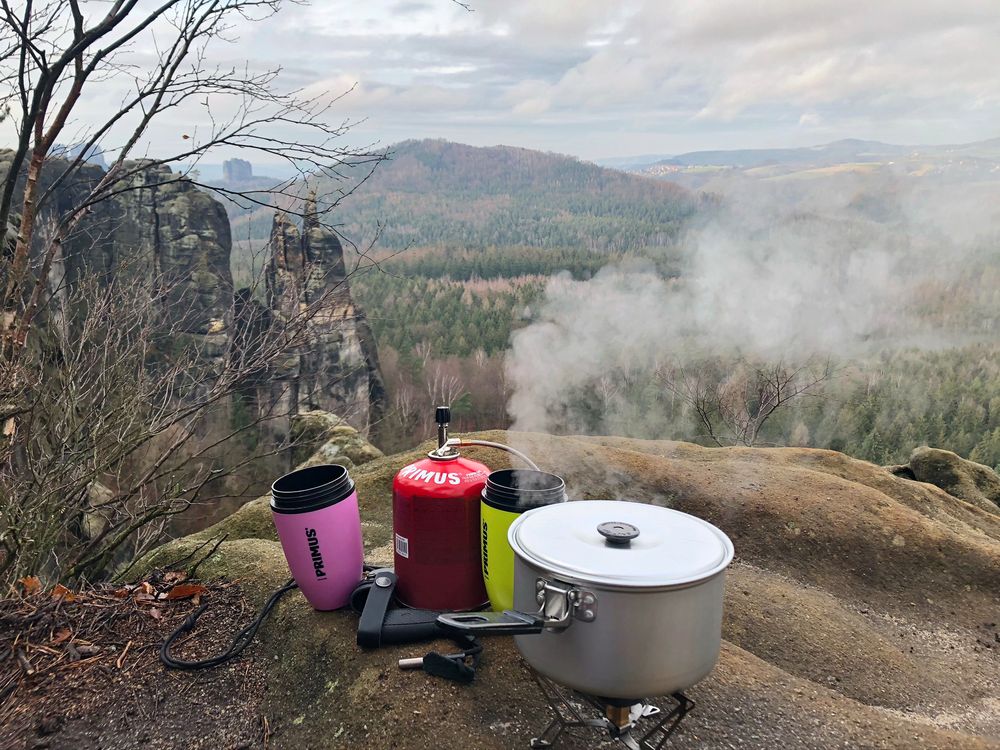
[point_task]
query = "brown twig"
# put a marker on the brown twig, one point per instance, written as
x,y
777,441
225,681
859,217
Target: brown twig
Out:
x,y
7,691
193,568
82,662
121,659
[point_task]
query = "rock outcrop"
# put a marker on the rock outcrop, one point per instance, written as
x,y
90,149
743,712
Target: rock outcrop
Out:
x,y
335,369
162,227
974,483
237,170
323,438
861,610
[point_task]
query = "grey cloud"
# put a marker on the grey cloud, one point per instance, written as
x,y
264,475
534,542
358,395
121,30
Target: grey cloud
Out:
x,y
410,8
645,75
723,60
495,55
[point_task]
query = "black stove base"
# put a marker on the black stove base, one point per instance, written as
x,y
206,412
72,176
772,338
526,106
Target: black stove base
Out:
x,y
640,726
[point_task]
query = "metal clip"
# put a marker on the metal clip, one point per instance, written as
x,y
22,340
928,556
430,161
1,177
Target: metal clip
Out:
x,y
559,603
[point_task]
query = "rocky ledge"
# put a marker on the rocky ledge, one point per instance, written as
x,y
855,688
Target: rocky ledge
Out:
x,y
861,611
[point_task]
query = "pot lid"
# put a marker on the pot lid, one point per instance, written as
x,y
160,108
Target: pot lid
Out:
x,y
620,544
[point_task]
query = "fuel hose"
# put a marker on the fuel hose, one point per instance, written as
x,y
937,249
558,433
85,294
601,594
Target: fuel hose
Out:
x,y
458,442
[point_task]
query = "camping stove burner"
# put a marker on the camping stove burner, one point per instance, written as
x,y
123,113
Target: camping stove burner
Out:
x,y
640,726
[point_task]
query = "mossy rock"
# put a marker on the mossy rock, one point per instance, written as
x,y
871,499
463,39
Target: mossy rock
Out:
x,y
972,482
325,692
321,437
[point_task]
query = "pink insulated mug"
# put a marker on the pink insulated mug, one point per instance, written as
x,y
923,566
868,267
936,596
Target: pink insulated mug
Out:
x,y
315,511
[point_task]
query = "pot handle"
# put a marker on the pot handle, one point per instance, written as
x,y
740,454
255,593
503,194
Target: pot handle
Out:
x,y
509,622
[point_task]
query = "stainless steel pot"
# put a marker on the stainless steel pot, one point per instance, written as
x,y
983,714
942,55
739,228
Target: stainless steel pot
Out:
x,y
615,599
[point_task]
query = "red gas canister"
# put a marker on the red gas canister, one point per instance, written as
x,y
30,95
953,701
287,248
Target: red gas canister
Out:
x,y
435,520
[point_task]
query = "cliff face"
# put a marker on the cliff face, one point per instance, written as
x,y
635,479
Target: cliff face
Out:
x,y
163,228
188,239
166,229
336,368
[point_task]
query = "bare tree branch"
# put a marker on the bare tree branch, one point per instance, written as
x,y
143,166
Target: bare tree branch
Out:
x,y
734,403
113,418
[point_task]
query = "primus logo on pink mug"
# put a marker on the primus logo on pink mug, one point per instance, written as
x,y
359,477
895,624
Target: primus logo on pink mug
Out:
x,y
317,558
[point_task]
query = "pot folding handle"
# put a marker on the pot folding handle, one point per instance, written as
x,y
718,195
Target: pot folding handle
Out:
x,y
558,605
509,622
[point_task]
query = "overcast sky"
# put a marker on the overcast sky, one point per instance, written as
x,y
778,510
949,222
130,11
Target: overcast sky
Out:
x,y
601,78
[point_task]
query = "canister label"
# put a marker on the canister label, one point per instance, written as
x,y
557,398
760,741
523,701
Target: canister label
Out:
x,y
402,546
428,477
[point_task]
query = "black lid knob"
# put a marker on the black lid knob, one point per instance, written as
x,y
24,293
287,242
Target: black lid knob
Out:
x,y
443,415
618,533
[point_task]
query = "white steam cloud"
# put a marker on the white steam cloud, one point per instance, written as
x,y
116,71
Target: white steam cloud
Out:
x,y
783,270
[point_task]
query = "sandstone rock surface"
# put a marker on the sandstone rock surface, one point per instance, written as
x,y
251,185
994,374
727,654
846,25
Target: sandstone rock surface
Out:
x,y
861,610
975,483
324,438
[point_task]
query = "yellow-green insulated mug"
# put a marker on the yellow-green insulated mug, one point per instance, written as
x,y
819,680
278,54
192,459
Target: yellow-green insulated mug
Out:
x,y
507,494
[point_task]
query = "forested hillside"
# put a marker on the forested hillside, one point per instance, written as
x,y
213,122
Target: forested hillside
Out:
x,y
471,236
444,339
436,192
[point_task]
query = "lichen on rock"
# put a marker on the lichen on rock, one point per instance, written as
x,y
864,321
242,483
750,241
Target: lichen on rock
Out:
x,y
320,437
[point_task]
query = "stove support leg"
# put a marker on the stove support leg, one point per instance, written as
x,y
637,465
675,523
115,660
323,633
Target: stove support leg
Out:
x,y
568,716
669,723
547,738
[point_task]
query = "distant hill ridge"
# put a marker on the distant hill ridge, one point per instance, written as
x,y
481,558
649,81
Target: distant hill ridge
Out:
x,y
835,152
850,149
441,165
435,192
440,193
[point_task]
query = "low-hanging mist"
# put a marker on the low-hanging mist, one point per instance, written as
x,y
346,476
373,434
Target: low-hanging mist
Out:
x,y
836,272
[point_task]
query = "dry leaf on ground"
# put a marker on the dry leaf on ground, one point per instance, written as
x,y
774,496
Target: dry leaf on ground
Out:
x,y
185,591
61,592
61,635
